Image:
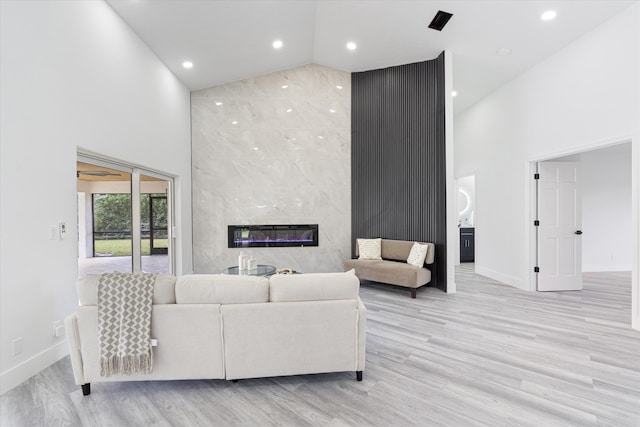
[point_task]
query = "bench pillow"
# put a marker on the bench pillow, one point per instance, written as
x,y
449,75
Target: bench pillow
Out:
x,y
417,255
369,248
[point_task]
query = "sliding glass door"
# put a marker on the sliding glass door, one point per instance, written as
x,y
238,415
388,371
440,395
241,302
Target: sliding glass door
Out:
x,y
124,218
155,218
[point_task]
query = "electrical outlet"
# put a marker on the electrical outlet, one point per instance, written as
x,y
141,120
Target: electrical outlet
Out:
x,y
58,329
63,229
17,346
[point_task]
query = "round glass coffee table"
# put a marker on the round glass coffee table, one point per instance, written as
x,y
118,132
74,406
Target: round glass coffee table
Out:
x,y
260,270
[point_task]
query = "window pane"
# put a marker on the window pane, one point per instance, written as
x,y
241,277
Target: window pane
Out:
x,y
104,219
154,225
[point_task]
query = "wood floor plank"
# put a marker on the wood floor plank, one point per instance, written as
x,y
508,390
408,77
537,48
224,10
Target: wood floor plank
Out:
x,y
489,355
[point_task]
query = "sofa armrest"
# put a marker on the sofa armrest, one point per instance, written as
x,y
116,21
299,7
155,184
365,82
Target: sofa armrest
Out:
x,y
75,354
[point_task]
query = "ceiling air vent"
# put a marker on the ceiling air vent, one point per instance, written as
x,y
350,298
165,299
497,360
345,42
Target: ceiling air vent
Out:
x,y
440,20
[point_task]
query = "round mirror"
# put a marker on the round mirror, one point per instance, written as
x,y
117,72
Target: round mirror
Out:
x,y
463,202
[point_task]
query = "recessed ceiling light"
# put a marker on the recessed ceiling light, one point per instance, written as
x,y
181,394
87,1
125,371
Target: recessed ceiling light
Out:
x,y
219,103
277,44
235,122
339,87
284,86
289,110
187,64
548,15
503,51
351,46
454,93
320,137
332,110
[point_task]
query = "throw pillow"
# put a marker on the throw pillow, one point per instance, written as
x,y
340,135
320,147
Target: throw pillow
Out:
x,y
417,255
370,248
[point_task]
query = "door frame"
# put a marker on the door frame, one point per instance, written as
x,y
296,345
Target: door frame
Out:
x,y
576,165
531,208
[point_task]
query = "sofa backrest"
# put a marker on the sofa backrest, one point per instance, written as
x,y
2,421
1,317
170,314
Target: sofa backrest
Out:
x,y
230,289
313,287
221,289
163,289
398,250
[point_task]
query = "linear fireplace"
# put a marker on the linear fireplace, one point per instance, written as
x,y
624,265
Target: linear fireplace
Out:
x,y
269,236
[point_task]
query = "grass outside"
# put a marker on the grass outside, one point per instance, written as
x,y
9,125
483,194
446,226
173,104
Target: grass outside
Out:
x,y
123,247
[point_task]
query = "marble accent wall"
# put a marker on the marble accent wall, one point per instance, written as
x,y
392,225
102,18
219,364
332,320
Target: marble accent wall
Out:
x,y
273,149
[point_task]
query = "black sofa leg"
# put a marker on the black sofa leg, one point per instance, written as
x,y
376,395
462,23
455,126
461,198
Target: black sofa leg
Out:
x,y
359,375
413,292
86,389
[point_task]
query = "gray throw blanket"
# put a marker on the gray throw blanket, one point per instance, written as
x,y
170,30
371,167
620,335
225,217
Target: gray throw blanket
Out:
x,y
124,323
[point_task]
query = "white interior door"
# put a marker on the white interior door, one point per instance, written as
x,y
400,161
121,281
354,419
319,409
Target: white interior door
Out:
x,y
559,230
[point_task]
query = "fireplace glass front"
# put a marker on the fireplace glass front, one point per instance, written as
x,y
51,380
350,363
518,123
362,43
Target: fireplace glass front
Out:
x,y
266,236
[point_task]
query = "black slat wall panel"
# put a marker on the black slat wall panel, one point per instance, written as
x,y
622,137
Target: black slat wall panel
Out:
x,y
398,179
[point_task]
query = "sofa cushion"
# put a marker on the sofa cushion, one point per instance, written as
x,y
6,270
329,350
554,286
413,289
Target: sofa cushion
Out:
x,y
417,255
221,289
163,289
370,248
313,287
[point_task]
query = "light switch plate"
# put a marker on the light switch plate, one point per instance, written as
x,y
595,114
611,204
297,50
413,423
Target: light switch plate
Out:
x,y
63,229
53,232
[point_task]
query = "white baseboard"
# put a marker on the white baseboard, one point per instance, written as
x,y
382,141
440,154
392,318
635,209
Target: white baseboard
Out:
x,y
501,277
451,286
25,370
595,268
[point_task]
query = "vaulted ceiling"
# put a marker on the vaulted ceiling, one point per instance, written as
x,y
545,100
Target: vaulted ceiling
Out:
x,y
232,40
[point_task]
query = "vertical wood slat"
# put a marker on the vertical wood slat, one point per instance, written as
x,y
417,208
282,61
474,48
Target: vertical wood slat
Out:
x,y
398,163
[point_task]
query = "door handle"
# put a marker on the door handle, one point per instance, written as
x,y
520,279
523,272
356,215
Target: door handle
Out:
x,y
578,232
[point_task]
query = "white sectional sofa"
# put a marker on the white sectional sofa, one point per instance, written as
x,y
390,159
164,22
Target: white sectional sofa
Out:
x,y
234,327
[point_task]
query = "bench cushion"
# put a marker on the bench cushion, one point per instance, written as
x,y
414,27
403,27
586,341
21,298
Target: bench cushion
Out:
x,y
394,272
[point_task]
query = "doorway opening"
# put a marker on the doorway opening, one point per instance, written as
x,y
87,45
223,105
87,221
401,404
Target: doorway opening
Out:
x,y
606,213
124,218
466,209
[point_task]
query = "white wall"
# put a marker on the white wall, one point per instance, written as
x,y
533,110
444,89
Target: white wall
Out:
x,y
607,242
583,97
635,202
72,75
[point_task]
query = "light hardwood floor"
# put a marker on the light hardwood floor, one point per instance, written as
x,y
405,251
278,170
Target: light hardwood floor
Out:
x,y
489,355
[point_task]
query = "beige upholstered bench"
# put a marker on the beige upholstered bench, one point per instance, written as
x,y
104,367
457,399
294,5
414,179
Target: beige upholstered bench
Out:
x,y
393,267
